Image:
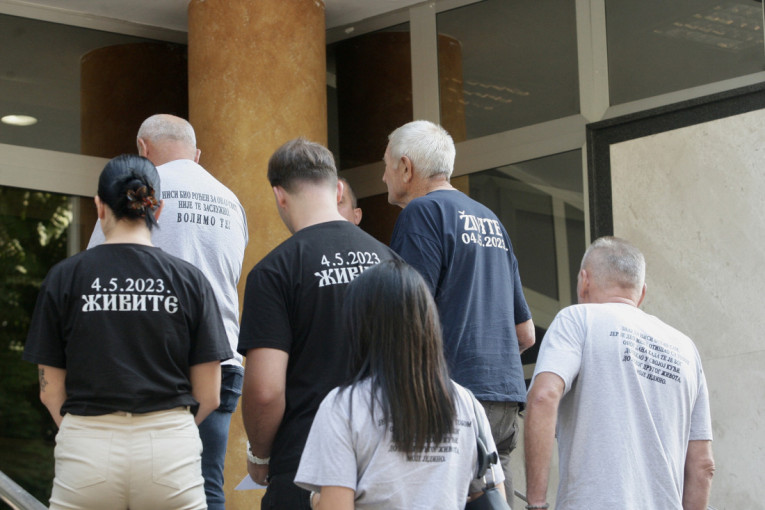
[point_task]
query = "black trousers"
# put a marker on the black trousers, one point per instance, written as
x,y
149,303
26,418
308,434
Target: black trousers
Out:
x,y
283,494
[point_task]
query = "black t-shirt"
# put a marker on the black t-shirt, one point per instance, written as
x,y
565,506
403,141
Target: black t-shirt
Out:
x,y
126,321
293,302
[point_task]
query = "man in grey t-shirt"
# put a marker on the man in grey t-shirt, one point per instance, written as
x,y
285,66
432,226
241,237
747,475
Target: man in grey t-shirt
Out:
x,y
627,393
203,223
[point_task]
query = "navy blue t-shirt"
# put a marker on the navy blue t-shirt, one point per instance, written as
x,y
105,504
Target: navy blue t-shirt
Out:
x,y
465,255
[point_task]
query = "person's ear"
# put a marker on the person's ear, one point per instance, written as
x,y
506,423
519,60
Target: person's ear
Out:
x,y
357,215
281,196
582,286
159,210
340,189
143,148
100,208
407,172
642,294
198,154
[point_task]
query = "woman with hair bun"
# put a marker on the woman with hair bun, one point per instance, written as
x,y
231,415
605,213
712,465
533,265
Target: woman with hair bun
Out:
x,y
128,341
401,434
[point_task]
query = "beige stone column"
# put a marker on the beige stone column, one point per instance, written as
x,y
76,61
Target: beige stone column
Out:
x,y
257,78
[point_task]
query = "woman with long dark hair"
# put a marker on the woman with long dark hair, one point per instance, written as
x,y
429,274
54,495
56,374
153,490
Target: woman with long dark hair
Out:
x,y
128,341
401,434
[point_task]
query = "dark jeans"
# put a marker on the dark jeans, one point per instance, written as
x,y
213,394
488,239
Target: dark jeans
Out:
x,y
283,494
214,434
503,418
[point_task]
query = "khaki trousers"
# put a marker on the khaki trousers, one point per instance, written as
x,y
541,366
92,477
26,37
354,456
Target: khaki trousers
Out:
x,y
124,460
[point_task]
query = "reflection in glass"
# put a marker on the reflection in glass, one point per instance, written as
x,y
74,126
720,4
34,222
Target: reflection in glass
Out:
x,y
656,47
373,74
36,81
34,232
518,63
541,204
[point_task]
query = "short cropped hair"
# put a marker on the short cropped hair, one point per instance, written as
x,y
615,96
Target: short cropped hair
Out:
x,y
347,185
300,161
615,261
427,145
161,127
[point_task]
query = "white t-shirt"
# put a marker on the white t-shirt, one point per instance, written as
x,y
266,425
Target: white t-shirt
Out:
x,y
202,222
347,447
635,394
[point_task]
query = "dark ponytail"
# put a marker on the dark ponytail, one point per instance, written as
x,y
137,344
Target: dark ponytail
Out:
x,y
129,185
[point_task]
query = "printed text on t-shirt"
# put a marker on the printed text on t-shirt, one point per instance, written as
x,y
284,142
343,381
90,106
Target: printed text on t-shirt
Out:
x,y
343,268
130,295
203,208
484,232
433,452
653,359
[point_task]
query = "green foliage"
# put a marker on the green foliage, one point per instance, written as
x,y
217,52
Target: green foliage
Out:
x,y
33,227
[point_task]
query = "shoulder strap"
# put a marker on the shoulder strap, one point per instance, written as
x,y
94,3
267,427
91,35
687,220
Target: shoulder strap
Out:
x,y
485,458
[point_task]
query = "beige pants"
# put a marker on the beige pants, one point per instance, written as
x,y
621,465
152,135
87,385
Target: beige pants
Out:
x,y
122,460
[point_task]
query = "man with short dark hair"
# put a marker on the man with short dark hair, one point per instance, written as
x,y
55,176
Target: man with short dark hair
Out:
x,y
627,394
291,331
348,206
465,255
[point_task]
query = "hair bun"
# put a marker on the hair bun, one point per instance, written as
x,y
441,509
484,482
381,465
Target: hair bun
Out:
x,y
141,199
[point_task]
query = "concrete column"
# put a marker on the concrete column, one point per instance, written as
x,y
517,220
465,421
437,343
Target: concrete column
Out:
x,y
257,78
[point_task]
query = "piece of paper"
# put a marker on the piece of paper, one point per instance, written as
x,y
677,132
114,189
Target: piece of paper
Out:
x,y
248,484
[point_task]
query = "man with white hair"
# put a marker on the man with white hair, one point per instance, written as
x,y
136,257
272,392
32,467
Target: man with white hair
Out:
x,y
465,255
627,394
203,223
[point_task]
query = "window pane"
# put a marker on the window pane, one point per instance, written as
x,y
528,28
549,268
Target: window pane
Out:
x,y
35,229
656,47
522,196
45,84
373,74
507,65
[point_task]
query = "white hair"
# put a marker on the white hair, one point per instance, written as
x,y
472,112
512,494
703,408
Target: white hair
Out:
x,y
427,145
615,261
163,127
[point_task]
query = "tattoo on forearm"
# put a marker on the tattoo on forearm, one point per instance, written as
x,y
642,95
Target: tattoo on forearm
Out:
x,y
43,381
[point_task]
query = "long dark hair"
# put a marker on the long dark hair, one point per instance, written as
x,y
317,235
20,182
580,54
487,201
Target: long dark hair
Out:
x,y
129,185
395,335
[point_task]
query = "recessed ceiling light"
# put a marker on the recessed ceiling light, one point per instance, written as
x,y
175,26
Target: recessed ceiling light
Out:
x,y
19,120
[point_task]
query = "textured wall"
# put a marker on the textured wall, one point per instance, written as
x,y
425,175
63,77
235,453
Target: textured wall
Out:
x,y
691,199
257,79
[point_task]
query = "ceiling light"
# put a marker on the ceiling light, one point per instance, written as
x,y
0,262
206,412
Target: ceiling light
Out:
x,y
19,120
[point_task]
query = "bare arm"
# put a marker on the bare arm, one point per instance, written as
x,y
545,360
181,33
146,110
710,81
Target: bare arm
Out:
x,y
52,390
205,388
539,433
263,403
526,334
335,498
699,469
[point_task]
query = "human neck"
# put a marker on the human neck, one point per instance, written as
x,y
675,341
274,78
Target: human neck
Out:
x,y
311,207
166,151
609,296
127,232
421,187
